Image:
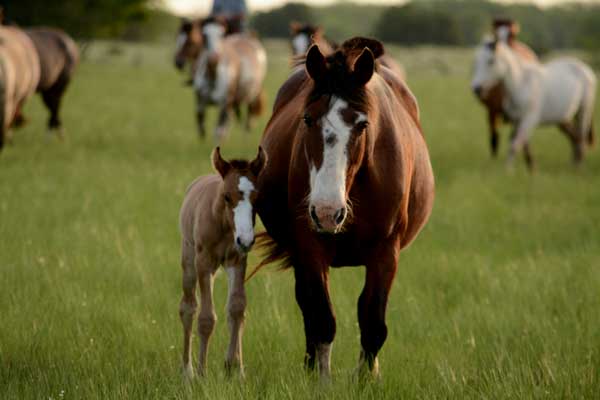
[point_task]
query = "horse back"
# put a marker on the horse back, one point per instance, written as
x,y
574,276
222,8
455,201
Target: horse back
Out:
x,y
58,55
197,204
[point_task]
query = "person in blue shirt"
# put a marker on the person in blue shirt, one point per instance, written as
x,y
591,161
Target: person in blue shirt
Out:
x,y
234,11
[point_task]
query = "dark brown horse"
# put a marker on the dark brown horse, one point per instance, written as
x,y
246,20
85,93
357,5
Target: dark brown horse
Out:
x,y
494,98
58,55
349,183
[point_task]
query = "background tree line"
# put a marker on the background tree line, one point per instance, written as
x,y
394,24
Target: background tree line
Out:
x,y
440,22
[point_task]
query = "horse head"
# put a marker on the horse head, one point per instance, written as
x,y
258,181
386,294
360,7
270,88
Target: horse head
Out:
x,y
239,194
189,42
335,126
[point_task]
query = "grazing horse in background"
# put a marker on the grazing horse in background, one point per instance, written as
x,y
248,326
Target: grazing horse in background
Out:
x,y
19,77
494,97
559,92
229,73
217,228
305,35
58,55
349,183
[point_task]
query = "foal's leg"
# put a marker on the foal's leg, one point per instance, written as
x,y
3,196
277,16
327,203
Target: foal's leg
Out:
x,y
236,307
312,295
372,305
188,305
207,317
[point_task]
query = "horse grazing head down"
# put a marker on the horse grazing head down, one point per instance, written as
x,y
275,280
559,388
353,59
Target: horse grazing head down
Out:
x,y
239,194
335,124
189,42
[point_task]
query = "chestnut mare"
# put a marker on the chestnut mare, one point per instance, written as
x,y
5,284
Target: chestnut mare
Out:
x,y
493,99
19,77
349,183
217,228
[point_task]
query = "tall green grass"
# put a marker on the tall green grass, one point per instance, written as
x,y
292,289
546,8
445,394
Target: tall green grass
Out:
x,y
497,298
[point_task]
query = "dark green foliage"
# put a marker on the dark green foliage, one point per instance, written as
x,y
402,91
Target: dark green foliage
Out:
x,y
275,23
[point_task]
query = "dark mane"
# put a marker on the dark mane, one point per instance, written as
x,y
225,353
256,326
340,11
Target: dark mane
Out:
x,y
339,80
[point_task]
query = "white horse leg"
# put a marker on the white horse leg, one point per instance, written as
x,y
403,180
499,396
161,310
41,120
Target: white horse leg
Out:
x,y
207,317
188,305
236,307
521,136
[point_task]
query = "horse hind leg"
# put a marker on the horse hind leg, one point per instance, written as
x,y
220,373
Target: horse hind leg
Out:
x,y
187,306
236,307
222,124
255,109
52,99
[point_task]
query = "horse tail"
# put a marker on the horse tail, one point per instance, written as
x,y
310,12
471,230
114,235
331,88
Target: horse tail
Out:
x,y
272,252
257,106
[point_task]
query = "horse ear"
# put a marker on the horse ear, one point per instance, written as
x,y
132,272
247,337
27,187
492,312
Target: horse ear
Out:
x,y
316,66
219,164
257,165
295,27
364,66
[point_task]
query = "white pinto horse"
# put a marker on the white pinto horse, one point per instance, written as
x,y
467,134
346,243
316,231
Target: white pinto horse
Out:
x,y
560,92
229,73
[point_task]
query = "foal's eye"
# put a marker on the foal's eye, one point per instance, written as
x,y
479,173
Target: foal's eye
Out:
x,y
307,120
227,199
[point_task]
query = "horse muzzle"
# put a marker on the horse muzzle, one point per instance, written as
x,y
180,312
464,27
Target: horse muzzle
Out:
x,y
327,219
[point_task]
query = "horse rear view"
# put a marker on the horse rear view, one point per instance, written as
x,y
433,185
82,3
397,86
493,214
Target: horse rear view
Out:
x,y
19,77
229,73
58,56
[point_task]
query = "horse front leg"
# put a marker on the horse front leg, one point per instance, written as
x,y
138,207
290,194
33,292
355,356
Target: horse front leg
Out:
x,y
221,129
187,306
312,295
236,308
372,303
200,114
494,136
207,317
520,138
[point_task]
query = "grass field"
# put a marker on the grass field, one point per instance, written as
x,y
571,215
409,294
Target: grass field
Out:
x,y
499,297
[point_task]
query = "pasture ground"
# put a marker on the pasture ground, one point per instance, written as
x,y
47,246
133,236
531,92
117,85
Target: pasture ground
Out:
x,y
497,298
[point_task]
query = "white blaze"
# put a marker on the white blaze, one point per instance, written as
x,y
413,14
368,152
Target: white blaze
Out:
x,y
328,183
484,68
242,214
300,43
214,33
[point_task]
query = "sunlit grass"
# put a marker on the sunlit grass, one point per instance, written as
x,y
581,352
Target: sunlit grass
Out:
x,y
497,298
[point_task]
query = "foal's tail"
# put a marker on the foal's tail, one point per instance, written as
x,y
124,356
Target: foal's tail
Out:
x,y
257,106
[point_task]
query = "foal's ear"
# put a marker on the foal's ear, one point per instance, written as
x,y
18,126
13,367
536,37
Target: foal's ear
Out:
x,y
316,66
219,163
364,66
257,165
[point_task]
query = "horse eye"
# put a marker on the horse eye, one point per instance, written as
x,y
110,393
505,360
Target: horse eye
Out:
x,y
227,198
307,120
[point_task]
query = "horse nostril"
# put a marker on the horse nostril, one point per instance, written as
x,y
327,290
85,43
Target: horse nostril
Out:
x,y
313,215
339,216
238,241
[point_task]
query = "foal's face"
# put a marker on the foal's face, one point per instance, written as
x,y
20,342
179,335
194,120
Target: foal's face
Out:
x,y
188,44
239,195
335,146
488,69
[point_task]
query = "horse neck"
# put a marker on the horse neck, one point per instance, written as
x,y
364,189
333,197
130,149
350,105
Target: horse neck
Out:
x,y
513,77
218,208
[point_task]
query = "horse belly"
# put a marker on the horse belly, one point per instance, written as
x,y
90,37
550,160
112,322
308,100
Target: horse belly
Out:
x,y
563,95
